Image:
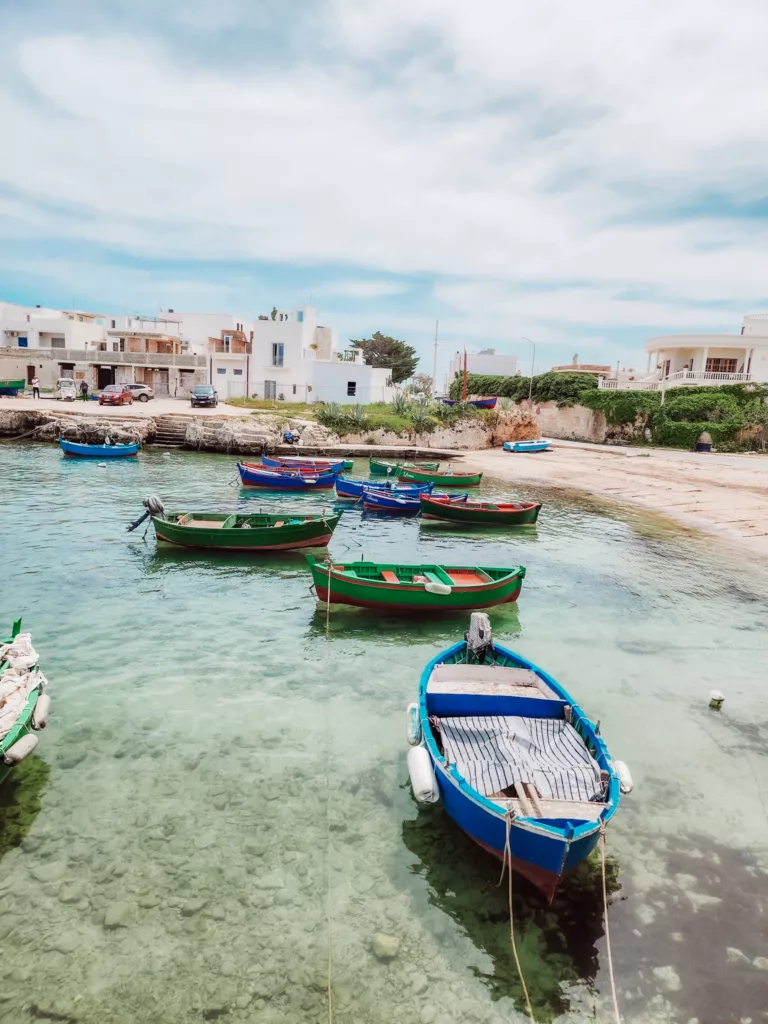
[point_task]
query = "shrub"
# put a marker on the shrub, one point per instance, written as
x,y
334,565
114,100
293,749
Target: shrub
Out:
x,y
563,388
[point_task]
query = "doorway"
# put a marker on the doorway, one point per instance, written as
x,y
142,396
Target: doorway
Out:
x,y
270,389
30,374
106,377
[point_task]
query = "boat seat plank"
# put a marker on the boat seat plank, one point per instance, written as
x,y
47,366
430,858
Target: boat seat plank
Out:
x,y
468,577
572,810
489,679
205,524
280,522
388,576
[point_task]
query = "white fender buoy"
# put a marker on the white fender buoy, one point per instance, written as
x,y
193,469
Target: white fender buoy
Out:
x,y
716,699
412,725
423,782
20,749
41,712
626,785
437,588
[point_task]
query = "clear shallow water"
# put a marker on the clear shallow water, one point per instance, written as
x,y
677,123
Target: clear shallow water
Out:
x,y
218,766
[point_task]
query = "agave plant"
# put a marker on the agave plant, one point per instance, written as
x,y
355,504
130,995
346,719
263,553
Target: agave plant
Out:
x,y
420,419
400,404
358,415
505,404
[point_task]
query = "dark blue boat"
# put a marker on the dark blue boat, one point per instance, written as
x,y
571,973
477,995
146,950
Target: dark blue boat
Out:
x,y
512,757
479,403
98,451
383,501
254,475
353,490
289,462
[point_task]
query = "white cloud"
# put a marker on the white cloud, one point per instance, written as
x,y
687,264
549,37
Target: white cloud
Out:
x,y
500,144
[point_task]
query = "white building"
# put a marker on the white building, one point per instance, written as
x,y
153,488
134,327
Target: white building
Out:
x,y
700,359
486,362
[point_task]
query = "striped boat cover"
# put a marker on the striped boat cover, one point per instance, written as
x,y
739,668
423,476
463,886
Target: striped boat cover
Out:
x,y
493,752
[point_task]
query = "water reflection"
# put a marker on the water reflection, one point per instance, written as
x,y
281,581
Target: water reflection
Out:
x,y
21,800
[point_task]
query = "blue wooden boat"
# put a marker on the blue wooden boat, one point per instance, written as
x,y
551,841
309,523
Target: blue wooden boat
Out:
x,y
478,403
527,446
98,451
254,475
353,490
306,465
381,501
512,757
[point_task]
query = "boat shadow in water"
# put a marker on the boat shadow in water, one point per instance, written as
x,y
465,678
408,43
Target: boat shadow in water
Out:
x,y
418,625
556,943
172,558
21,800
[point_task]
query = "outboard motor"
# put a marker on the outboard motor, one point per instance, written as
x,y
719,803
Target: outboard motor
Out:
x,y
479,637
154,507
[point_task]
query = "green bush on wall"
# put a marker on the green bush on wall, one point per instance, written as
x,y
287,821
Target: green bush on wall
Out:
x,y
562,388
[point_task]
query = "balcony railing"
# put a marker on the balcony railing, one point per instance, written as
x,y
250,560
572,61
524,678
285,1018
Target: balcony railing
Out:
x,y
94,355
674,380
605,384
239,348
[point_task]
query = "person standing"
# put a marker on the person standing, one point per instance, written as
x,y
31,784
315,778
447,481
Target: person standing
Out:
x,y
35,387
84,390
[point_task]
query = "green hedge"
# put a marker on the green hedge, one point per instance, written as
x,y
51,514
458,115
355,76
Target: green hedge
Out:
x,y
686,412
562,388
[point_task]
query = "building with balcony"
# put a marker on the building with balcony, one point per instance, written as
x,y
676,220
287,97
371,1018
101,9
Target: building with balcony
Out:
x,y
675,360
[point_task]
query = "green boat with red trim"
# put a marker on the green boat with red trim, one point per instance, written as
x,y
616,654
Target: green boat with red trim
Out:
x,y
415,587
481,513
259,531
444,478
381,467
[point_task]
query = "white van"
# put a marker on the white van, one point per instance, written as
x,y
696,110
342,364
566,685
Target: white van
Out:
x,y
67,389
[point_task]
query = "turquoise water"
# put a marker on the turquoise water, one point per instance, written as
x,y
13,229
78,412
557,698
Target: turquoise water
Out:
x,y
221,795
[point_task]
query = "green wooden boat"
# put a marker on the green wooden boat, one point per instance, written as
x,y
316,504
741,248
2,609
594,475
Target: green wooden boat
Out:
x,y
247,532
419,587
20,740
444,479
485,513
380,467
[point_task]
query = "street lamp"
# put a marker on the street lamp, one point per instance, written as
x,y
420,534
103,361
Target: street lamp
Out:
x,y
533,365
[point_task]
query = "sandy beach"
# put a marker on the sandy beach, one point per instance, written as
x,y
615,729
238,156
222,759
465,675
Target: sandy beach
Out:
x,y
725,495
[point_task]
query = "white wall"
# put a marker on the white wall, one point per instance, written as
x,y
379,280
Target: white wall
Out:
x,y
330,380
488,362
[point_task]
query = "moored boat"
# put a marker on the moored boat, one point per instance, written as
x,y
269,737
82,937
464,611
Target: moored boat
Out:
x,y
252,474
478,403
294,462
487,513
381,467
444,479
512,757
99,451
527,446
385,501
24,705
415,587
280,531
11,388
353,490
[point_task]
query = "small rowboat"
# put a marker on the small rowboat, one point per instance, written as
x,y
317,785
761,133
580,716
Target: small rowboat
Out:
x,y
353,490
280,531
420,587
383,501
98,451
23,704
480,512
281,479
478,403
11,388
447,479
379,467
527,446
319,465
512,757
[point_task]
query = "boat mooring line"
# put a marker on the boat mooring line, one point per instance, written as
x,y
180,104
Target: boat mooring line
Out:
x,y
607,928
328,864
506,864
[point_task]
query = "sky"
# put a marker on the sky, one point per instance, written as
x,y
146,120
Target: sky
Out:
x,y
585,175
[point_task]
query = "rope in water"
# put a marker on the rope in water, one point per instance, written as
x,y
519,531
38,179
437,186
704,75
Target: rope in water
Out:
x,y
507,863
328,599
328,903
607,928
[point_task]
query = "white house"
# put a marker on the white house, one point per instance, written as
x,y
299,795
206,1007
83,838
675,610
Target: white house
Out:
x,y
701,359
486,362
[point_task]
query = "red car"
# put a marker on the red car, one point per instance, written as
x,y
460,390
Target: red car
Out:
x,y
116,394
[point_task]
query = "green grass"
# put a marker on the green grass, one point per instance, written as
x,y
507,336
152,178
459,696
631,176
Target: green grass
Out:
x,y
303,410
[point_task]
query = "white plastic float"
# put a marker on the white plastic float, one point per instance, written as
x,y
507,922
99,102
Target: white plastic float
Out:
x,y
626,785
41,712
437,588
20,749
423,782
412,725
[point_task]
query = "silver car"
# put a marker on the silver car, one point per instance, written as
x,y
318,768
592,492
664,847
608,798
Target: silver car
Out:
x,y
142,392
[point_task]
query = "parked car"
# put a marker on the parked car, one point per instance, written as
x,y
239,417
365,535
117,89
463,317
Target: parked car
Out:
x,y
204,394
116,394
141,391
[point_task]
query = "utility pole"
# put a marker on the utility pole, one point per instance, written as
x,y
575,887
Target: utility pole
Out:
x,y
533,367
434,365
464,382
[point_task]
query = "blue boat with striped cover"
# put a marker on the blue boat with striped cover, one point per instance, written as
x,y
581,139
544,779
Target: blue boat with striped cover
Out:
x,y
513,758
527,446
353,490
382,501
98,451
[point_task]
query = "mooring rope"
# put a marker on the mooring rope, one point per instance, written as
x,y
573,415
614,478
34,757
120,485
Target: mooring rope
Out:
x,y
616,1013
328,600
507,863
328,868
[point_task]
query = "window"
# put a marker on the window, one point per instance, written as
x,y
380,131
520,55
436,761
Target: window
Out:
x,y
238,373
294,389
115,346
351,388
23,343
221,369
114,325
300,316
721,365
270,389
278,352
57,343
